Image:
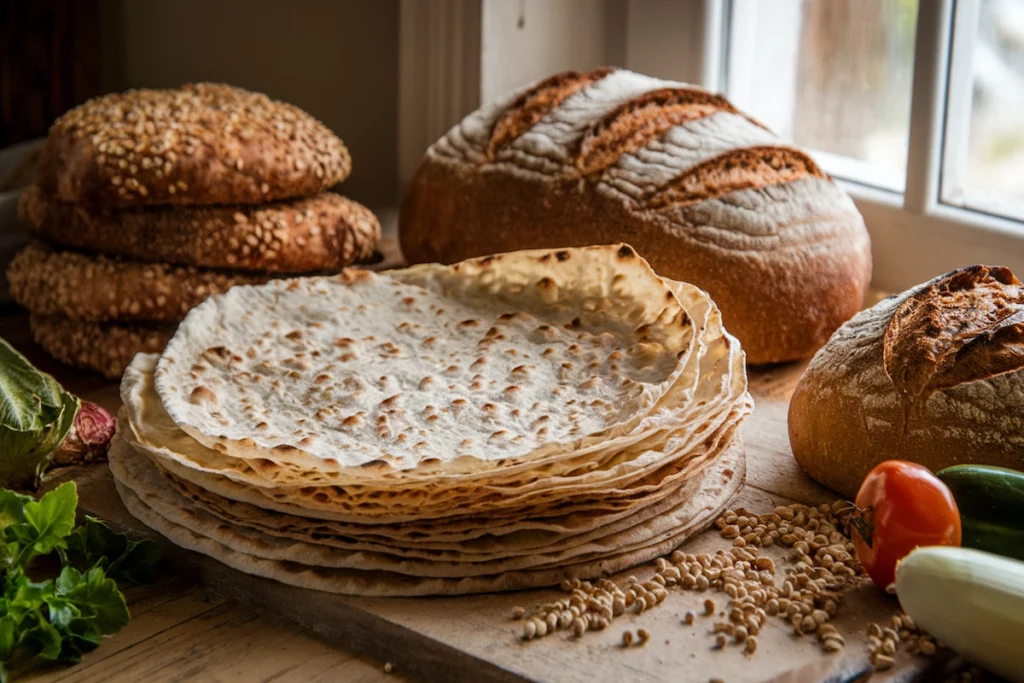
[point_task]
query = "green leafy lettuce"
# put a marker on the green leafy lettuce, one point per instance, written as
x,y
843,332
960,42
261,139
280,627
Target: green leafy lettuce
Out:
x,y
35,416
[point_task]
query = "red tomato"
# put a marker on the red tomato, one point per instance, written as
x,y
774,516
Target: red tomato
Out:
x,y
901,505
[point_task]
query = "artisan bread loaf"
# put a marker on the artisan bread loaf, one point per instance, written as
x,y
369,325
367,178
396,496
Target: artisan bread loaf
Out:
x,y
934,375
324,232
106,348
198,144
82,287
706,194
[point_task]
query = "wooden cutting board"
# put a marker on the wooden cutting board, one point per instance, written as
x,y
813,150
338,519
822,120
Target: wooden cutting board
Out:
x,y
473,638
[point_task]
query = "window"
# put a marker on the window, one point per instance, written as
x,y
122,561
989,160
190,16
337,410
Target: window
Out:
x,y
914,105
984,154
834,77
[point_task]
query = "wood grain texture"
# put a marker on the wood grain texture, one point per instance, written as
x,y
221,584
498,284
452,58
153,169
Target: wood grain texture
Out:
x,y
461,638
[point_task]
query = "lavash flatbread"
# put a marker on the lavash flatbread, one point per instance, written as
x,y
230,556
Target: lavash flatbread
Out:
x,y
717,488
152,425
546,351
497,424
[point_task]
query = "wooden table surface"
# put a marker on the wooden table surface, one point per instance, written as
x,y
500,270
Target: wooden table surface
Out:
x,y
179,632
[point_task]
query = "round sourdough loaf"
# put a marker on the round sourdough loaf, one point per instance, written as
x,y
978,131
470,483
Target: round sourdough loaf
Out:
x,y
106,348
82,287
201,143
706,194
325,232
934,375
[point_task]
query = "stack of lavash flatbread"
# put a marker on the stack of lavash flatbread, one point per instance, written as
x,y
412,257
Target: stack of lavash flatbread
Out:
x,y
497,424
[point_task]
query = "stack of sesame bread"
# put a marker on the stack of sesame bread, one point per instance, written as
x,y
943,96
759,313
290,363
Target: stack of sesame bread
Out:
x,y
149,201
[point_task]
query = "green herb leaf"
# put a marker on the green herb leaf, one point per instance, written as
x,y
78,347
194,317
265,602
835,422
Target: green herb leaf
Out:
x,y
35,416
96,597
39,637
52,517
8,624
12,508
62,618
95,544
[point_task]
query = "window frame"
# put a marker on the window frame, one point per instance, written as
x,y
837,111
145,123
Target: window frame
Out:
x,y
916,234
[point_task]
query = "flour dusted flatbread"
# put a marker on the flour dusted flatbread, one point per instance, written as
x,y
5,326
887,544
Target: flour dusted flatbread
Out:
x,y
508,358
496,424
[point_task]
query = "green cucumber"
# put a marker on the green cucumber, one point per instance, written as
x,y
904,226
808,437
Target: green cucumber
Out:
x,y
991,503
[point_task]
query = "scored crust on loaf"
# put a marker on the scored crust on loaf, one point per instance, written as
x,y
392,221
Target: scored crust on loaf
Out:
x,y
82,287
966,326
201,143
106,348
934,375
325,232
705,193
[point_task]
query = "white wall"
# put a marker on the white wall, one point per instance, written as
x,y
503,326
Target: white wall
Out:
x,y
337,59
525,40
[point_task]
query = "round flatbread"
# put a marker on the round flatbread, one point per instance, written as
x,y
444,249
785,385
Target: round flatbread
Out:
x,y
498,424
504,360
294,563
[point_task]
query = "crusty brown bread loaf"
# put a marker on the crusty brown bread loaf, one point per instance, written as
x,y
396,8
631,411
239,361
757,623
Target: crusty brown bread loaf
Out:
x,y
106,348
81,287
706,194
934,375
198,144
324,232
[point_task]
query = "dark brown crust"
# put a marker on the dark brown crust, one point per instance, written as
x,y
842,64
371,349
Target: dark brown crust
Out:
x,y
81,287
634,124
325,232
965,326
848,412
779,313
106,348
741,169
532,105
199,144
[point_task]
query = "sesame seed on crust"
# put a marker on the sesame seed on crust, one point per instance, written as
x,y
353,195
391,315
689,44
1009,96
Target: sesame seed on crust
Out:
x,y
106,348
325,232
203,143
82,287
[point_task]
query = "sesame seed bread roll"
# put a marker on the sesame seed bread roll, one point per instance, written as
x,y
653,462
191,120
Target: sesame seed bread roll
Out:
x,y
81,287
324,232
705,193
934,375
106,348
201,143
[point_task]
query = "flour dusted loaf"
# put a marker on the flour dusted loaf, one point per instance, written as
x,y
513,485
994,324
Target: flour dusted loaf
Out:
x,y
705,193
934,375
324,232
201,143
